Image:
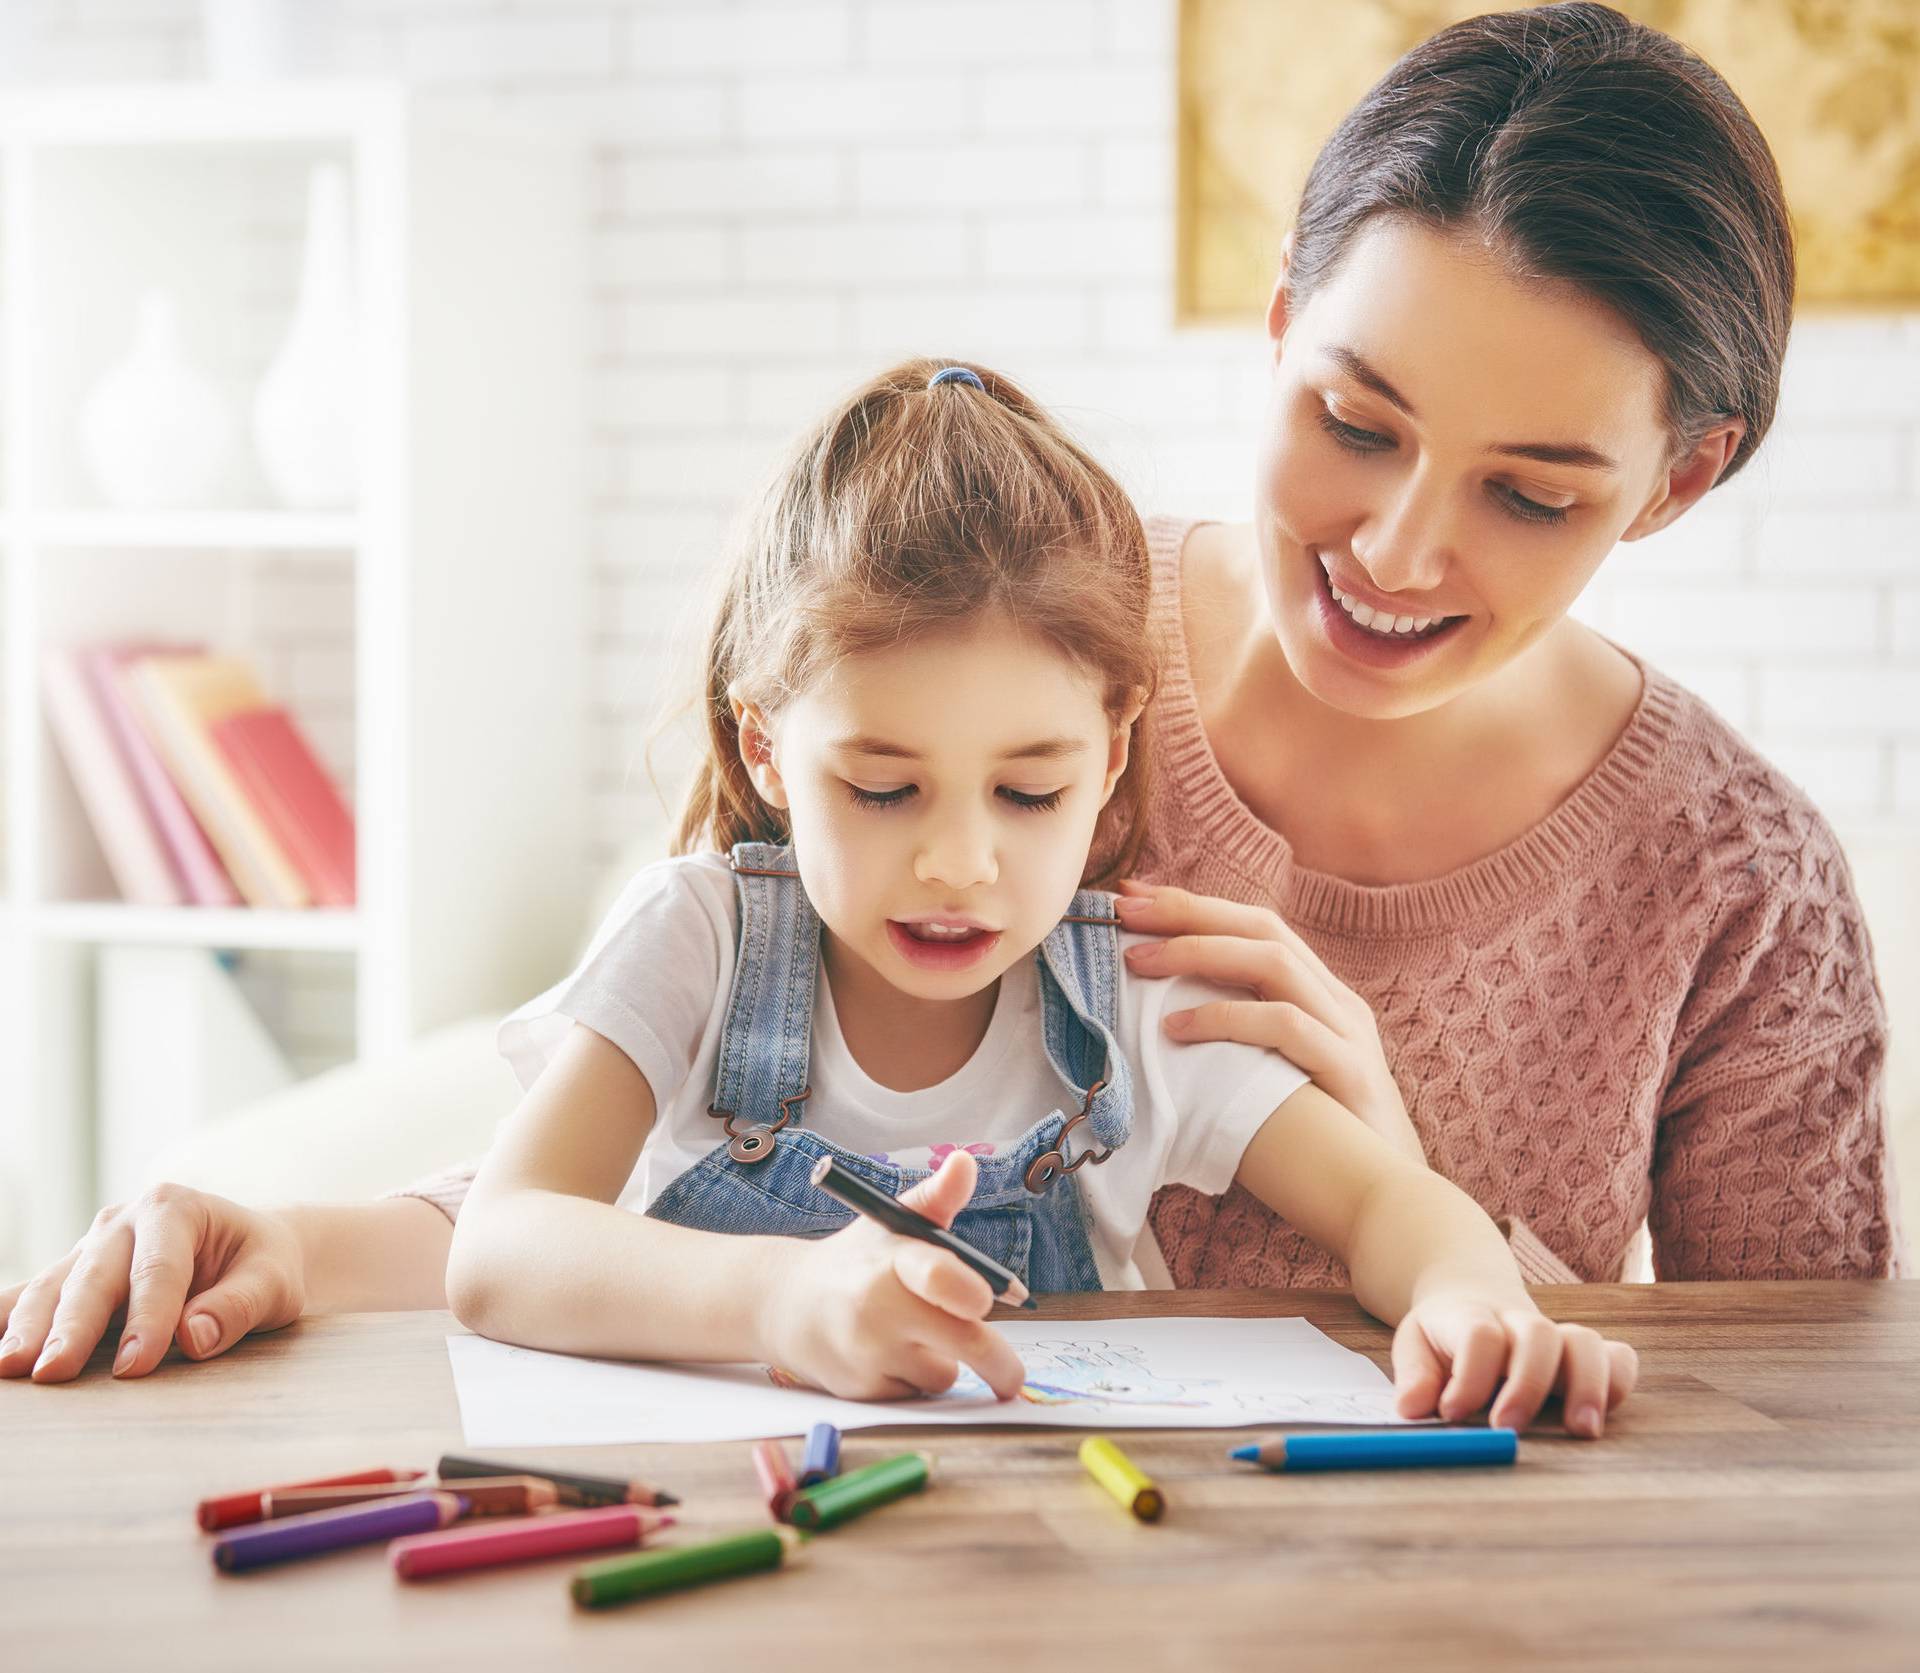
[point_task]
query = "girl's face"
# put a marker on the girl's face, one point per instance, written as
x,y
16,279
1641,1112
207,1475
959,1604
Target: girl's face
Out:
x,y
1450,453
942,796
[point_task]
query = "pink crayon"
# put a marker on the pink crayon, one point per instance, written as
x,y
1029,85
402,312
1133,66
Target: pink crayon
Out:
x,y
491,1544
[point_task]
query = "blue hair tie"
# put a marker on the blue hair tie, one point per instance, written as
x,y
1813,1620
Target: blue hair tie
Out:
x,y
956,374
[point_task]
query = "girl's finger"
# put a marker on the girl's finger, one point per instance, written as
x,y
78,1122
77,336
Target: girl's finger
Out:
x,y
922,1369
942,1280
29,1313
160,1271
1583,1380
1479,1356
973,1343
1418,1371
1623,1372
1532,1363
95,1288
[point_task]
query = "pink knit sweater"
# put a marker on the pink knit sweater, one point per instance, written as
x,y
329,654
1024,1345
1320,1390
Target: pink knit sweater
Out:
x,y
1658,1004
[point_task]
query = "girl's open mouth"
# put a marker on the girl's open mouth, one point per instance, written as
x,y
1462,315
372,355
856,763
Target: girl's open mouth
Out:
x,y
934,946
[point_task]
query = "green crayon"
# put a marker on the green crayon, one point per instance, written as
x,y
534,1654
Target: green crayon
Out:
x,y
829,1503
619,1579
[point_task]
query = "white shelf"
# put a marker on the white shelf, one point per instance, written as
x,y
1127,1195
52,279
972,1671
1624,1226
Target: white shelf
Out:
x,y
278,531
428,640
104,923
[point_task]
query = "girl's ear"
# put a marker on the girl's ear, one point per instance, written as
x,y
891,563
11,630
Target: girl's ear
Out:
x,y
1120,746
755,732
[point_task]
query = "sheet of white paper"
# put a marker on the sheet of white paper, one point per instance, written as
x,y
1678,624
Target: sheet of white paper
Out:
x,y
1099,1374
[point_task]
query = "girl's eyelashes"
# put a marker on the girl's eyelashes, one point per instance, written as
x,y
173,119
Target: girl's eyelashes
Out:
x,y
1510,500
1043,802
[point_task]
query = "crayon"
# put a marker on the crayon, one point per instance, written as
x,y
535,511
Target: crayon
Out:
x,y
1121,1477
520,1540
235,1508
618,1579
278,1502
815,1509
575,1489
332,1530
821,1460
1389,1450
775,1470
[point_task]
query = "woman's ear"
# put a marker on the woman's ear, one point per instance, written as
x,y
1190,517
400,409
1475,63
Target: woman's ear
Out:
x,y
755,732
1120,745
1277,303
1688,479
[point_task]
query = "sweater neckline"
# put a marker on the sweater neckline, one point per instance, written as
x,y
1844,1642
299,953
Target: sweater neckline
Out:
x,y
1562,842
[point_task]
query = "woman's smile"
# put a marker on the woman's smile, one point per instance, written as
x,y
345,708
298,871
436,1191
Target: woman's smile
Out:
x,y
1372,634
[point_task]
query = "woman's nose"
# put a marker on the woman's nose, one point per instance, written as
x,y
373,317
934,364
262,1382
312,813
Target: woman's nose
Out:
x,y
1404,542
957,856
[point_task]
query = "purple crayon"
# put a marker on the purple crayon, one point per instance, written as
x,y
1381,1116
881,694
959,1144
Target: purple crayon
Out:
x,y
331,1530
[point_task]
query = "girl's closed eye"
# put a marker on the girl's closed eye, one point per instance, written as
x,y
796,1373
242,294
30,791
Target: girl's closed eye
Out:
x,y
1036,801
864,797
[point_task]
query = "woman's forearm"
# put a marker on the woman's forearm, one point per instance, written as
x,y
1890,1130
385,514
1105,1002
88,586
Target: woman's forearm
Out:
x,y
1417,1235
572,1275
386,1256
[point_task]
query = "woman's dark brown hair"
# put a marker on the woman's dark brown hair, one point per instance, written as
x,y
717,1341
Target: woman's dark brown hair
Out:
x,y
1583,147
910,510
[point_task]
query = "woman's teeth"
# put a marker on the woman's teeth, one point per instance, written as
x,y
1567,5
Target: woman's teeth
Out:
x,y
1380,621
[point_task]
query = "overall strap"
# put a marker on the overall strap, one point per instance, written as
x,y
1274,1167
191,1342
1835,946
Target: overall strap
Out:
x,y
765,1041
1080,1005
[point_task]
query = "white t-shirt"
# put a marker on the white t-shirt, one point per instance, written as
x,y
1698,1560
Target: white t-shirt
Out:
x,y
656,980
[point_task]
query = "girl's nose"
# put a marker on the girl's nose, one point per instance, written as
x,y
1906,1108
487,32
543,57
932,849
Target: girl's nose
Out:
x,y
1404,541
958,858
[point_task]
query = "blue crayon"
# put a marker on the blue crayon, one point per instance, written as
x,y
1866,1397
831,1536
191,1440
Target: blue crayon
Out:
x,y
822,1459
1392,1449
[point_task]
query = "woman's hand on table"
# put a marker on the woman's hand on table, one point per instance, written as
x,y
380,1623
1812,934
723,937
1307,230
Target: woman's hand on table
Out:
x,y
186,1266
1299,1007
1455,1352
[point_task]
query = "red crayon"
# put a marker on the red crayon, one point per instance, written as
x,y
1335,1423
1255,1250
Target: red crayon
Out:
x,y
775,1470
236,1508
491,1544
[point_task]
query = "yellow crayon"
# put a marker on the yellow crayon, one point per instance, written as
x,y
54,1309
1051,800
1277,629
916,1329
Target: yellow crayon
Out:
x,y
1121,1477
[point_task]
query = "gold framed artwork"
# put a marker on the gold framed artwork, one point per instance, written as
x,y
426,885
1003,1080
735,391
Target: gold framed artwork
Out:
x,y
1834,85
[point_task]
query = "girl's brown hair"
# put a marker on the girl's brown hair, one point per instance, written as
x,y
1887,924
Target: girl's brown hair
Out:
x,y
1584,147
910,509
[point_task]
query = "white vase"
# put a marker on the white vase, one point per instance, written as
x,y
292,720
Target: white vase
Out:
x,y
155,433
303,414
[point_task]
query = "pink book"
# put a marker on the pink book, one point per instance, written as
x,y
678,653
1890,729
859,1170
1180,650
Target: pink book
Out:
x,y
295,797
129,839
207,883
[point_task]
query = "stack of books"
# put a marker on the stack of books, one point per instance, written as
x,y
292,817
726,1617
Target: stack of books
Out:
x,y
201,789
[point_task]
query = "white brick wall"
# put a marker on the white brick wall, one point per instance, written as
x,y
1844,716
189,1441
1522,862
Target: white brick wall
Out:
x,y
789,194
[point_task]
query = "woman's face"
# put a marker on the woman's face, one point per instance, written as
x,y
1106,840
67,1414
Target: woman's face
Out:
x,y
1450,454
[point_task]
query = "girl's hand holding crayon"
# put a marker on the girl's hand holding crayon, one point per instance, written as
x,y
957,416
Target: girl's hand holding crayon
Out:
x,y
867,1315
1456,1350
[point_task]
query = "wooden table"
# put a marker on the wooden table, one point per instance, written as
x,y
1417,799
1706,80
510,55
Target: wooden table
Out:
x,y
1757,1504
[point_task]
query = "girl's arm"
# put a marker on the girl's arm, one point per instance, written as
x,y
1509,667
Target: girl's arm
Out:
x,y
541,1256
1425,1257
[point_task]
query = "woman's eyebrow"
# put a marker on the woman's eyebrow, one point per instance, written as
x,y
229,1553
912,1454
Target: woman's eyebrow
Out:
x,y
1365,373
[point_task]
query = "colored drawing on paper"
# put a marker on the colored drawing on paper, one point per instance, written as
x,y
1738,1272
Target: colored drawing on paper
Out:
x,y
1070,1373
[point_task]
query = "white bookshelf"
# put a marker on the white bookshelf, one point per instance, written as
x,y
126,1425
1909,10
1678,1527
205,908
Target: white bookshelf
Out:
x,y
429,639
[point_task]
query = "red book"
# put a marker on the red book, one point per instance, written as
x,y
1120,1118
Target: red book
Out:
x,y
294,796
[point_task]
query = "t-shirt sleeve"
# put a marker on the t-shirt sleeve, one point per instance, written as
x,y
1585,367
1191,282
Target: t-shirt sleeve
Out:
x,y
1217,1093
649,979
1772,1158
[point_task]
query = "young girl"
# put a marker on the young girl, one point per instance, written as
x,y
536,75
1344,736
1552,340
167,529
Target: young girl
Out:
x,y
882,943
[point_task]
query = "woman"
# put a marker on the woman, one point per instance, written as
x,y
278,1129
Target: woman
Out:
x,y
1534,303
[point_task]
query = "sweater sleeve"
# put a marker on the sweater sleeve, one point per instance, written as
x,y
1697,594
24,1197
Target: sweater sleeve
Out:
x,y
1771,1159
446,1190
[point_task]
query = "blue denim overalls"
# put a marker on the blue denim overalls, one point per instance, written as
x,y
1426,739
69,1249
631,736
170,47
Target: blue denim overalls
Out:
x,y
1026,1211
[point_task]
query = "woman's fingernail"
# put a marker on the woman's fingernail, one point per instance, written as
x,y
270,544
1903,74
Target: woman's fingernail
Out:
x,y
1587,1421
203,1333
129,1352
1178,1022
49,1353
1131,906
9,1346
1148,952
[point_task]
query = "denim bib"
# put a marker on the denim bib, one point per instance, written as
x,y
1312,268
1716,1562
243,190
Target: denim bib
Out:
x,y
1027,1211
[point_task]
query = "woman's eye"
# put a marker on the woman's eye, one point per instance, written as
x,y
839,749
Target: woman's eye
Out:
x,y
1042,803
1531,511
1352,437
879,798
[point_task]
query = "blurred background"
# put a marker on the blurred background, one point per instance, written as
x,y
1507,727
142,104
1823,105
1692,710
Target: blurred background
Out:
x,y
378,380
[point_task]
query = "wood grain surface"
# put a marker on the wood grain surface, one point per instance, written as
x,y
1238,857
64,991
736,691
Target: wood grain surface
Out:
x,y
1757,1504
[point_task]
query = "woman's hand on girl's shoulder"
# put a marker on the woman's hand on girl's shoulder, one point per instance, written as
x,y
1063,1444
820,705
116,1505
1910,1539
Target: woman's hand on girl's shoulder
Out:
x,y
1453,1353
868,1315
1299,1007
186,1266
